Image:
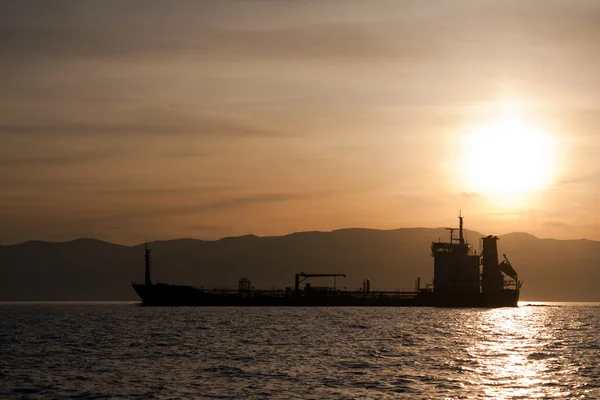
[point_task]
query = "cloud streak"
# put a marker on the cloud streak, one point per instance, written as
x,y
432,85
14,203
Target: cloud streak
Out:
x,y
199,126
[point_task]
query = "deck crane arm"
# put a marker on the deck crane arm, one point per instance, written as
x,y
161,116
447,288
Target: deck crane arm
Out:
x,y
305,276
507,268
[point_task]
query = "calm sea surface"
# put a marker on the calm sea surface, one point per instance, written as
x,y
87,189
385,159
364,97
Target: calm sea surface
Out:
x,y
93,350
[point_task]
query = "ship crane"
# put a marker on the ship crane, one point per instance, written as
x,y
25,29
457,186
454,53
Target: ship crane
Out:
x,y
306,276
506,267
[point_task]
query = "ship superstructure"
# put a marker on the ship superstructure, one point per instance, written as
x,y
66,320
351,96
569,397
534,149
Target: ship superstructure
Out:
x,y
464,278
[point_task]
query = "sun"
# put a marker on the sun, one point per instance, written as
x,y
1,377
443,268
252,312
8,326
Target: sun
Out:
x,y
508,156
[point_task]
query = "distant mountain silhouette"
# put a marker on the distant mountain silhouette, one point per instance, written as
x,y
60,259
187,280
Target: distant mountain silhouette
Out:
x,y
89,269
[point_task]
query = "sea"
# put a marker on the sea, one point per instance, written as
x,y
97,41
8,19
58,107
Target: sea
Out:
x,y
123,351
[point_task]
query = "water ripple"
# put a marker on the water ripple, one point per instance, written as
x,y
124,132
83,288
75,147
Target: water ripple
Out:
x,y
126,351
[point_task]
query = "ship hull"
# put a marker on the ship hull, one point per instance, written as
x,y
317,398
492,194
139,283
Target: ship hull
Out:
x,y
178,295
502,298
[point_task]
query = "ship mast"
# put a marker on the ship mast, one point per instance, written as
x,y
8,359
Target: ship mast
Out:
x,y
148,271
461,236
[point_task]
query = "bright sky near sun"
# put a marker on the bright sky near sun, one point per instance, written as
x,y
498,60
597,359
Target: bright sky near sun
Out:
x,y
140,120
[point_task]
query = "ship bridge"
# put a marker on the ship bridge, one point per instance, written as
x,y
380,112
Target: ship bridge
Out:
x,y
456,246
438,248
455,268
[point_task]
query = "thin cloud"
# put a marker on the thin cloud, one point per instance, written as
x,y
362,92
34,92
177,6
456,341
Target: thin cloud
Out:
x,y
557,224
588,179
470,195
245,201
199,126
189,190
123,213
209,228
59,160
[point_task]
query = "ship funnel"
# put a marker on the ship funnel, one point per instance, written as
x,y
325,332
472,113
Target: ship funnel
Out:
x,y
148,270
492,280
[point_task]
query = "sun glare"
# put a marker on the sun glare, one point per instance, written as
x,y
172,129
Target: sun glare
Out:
x,y
508,156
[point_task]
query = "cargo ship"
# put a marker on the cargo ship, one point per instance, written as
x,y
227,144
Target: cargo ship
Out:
x,y
461,278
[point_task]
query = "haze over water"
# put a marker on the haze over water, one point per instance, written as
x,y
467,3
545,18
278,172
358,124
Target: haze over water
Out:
x,y
92,350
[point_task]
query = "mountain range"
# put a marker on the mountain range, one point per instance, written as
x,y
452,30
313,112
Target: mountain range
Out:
x,y
90,269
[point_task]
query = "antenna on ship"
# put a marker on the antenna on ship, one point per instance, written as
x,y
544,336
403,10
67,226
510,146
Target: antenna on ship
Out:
x,y
148,271
461,236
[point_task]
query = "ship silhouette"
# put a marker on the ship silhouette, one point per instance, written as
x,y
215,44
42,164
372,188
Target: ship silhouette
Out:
x,y
462,278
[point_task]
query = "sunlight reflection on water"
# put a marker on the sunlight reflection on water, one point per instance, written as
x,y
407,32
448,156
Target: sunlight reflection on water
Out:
x,y
522,353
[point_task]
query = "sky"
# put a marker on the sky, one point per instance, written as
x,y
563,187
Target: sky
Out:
x,y
130,121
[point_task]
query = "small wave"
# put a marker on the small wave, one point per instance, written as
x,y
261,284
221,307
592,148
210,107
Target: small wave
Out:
x,y
403,382
357,365
80,378
540,305
227,370
358,326
26,390
539,356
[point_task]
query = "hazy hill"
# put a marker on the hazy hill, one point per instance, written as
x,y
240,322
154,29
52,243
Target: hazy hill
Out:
x,y
88,269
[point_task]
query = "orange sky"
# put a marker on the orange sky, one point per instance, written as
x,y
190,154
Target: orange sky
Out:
x,y
134,121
